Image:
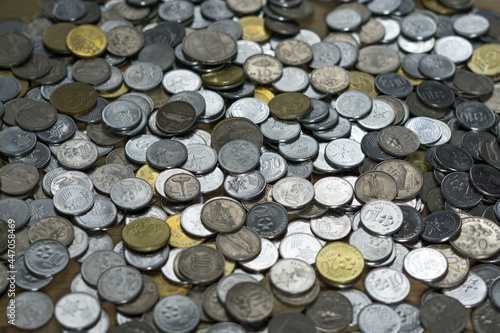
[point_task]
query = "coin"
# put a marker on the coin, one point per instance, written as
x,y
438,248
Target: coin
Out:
x,y
339,262
439,306
46,257
289,105
54,227
369,318
222,214
120,284
201,264
74,98
321,79
146,234
86,41
416,264
34,310
244,244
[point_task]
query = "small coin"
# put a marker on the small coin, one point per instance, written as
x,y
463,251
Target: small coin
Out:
x,y
34,310
341,274
377,285
131,193
244,244
120,284
86,41
321,79
146,234
432,272
369,318
74,98
211,259
46,257
222,214
374,185
434,310
294,52
54,227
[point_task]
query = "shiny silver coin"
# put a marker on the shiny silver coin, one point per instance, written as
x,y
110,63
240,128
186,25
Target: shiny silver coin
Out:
x,y
120,284
73,200
238,156
131,193
33,309
46,257
293,192
77,311
381,217
426,264
387,285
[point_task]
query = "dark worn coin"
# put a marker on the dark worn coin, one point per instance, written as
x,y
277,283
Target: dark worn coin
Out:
x,y
236,128
251,311
209,47
475,116
413,225
471,141
91,71
490,152
201,264
18,178
53,227
453,158
435,94
339,308
407,176
443,314
17,47
398,141
223,214
371,147
441,226
393,84
244,244
419,108
36,117
485,179
58,72
124,41
486,318
182,187
35,67
374,185
268,219
212,305
291,322
175,117
146,300
286,28
458,190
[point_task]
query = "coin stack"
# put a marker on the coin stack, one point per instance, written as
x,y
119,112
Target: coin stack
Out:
x,y
213,167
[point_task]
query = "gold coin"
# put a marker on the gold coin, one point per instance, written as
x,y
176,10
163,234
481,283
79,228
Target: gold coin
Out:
x,y
435,6
289,105
178,237
54,37
167,288
146,234
254,29
225,77
159,96
25,84
340,263
279,306
87,41
413,80
74,98
229,265
419,159
111,94
485,60
263,94
149,174
363,82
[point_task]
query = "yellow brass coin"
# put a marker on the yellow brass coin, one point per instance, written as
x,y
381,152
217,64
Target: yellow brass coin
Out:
x,y
289,105
485,60
419,159
229,265
279,306
111,94
263,94
25,85
146,234
54,37
159,96
413,80
167,288
227,76
363,82
87,41
74,98
254,29
178,237
435,6
340,263
149,174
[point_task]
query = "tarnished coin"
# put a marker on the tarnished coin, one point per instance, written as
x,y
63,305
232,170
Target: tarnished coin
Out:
x,y
377,59
330,301
330,79
124,41
26,280
485,317
33,310
441,226
485,241
398,141
16,141
120,284
256,312
46,257
175,117
74,98
426,264
289,105
263,68
268,219
182,187
236,128
374,185
222,214
54,227
291,321
18,178
146,300
408,178
210,47
201,264
244,244
165,154
294,52
442,313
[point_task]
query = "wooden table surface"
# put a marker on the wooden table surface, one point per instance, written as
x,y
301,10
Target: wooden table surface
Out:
x,y
27,11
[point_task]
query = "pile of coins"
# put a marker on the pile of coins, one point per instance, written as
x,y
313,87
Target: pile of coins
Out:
x,y
262,179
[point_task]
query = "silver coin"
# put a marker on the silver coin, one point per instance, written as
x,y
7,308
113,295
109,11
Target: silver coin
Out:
x,y
78,285
387,285
418,26
179,80
471,25
211,182
114,81
73,200
343,19
143,76
214,104
229,281
79,244
16,142
331,227
147,261
142,100
131,193
358,300
354,104
101,215
381,115
251,108
238,156
381,217
398,262
185,321
136,147
201,159
96,263
149,211
70,178
162,178
77,154
46,257
277,130
410,321
392,29
77,311
33,309
411,46
455,48
292,276
471,293
245,186
107,175
344,153
379,318
303,148
120,284
24,279
437,67
272,166
427,129
426,264
168,269
293,192
98,240
266,259
300,246
372,248
192,97
293,79
384,7
333,192
191,222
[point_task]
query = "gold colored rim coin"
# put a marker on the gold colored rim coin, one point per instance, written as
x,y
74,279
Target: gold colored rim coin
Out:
x,y
54,37
178,238
485,60
111,94
264,94
149,174
340,263
435,6
228,75
254,29
363,82
87,41
74,98
146,234
289,105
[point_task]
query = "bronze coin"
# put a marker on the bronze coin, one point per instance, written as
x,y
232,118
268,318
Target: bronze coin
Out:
x,y
74,98
175,117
